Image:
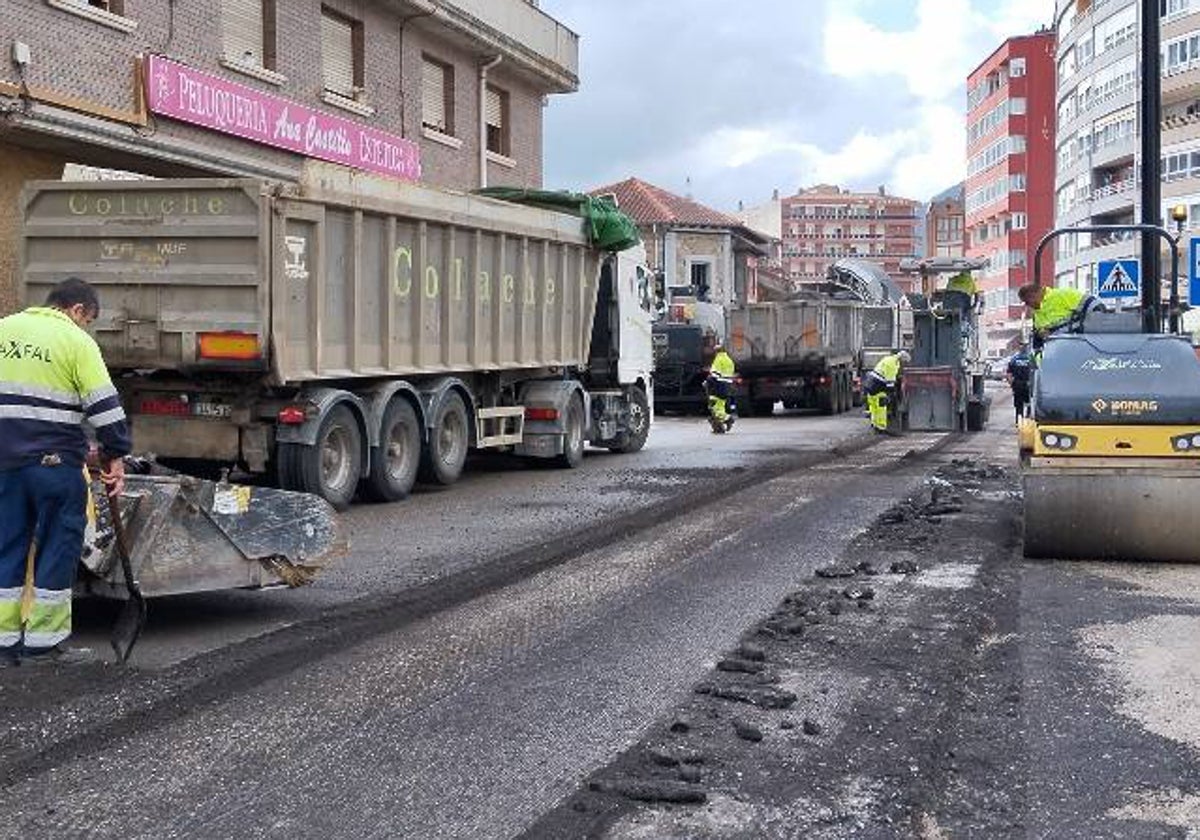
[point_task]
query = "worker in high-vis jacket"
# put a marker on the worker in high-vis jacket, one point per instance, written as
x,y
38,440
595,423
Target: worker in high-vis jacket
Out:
x,y
52,381
721,392
1053,308
880,385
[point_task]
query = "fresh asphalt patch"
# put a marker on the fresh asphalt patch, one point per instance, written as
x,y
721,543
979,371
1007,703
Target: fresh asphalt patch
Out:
x,y
876,701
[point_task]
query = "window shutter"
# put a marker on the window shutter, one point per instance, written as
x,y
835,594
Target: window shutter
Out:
x,y
494,111
433,95
242,31
337,55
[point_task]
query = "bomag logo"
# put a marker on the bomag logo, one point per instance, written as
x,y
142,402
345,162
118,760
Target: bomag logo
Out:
x,y
1133,408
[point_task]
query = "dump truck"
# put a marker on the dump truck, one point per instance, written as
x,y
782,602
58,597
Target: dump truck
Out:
x,y
682,353
347,335
887,317
804,352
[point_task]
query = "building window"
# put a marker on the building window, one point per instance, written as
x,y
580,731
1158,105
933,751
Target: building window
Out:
x,y
496,116
437,96
700,273
1016,67
110,13
248,32
1019,221
341,54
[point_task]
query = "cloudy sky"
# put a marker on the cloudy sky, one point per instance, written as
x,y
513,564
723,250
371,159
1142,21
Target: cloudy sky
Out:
x,y
746,97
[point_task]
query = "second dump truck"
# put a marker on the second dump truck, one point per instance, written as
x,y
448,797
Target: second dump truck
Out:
x,y
347,335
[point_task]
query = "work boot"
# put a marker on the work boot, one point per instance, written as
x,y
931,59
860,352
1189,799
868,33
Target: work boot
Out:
x,y
58,655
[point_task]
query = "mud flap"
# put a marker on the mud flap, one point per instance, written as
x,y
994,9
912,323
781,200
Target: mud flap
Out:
x,y
189,535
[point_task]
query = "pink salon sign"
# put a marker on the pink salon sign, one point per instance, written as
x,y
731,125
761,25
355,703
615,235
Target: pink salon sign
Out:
x,y
176,90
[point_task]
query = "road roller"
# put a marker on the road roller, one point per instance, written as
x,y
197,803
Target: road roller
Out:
x,y
1111,456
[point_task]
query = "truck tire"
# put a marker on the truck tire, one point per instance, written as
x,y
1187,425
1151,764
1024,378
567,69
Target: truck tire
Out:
x,y
332,467
573,441
639,424
825,397
445,452
975,417
395,461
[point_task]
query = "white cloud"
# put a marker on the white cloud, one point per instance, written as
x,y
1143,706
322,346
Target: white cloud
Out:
x,y
931,59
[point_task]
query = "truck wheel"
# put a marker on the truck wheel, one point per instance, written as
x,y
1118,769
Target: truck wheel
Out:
x,y
395,461
573,441
639,423
975,417
825,399
443,457
332,467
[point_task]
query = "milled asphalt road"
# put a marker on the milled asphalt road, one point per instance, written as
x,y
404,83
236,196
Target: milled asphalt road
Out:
x,y
500,505
471,721
986,696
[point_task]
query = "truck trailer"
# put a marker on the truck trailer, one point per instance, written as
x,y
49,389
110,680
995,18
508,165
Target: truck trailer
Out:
x,y
348,335
803,352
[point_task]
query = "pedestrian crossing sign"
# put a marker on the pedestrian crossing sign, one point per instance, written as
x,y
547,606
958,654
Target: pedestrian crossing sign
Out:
x,y
1119,279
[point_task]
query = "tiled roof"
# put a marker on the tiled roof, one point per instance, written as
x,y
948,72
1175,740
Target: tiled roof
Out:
x,y
647,204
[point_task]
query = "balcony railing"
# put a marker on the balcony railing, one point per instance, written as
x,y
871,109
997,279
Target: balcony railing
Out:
x,y
1115,188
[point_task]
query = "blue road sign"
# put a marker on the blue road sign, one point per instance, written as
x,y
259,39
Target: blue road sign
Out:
x,y
1194,273
1119,279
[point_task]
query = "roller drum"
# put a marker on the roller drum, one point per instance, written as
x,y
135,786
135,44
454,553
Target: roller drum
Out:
x,y
1112,514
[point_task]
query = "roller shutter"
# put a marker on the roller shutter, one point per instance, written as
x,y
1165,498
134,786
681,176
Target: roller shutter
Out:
x,y
337,54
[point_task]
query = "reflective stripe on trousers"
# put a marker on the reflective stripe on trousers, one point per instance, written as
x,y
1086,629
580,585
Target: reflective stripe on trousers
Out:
x,y
50,620
10,615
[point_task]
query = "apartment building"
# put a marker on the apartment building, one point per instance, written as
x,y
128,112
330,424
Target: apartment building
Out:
x,y
826,223
944,224
1098,72
447,92
1180,20
1009,204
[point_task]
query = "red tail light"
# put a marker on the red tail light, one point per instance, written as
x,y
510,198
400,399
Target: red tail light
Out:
x,y
541,414
292,415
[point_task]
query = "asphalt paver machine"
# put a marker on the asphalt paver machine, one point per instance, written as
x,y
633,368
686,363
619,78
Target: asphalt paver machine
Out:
x,y
942,389
1111,456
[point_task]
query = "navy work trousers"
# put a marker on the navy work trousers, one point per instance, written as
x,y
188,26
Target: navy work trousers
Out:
x,y
45,506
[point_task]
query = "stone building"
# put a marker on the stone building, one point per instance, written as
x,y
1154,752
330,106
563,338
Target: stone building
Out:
x,y
448,92
702,252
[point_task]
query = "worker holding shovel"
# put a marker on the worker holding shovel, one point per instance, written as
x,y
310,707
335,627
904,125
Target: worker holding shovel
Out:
x,y
52,380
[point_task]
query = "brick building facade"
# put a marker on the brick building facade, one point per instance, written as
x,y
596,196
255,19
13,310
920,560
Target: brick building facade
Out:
x,y
461,83
1010,176
826,223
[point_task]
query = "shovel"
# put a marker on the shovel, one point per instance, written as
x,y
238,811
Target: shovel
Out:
x,y
132,618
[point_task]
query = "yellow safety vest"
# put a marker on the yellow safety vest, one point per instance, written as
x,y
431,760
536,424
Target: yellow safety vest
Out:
x,y
1057,307
888,368
722,364
52,378
963,282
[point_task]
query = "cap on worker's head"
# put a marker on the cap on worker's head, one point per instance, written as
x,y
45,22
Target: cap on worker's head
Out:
x,y
904,356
